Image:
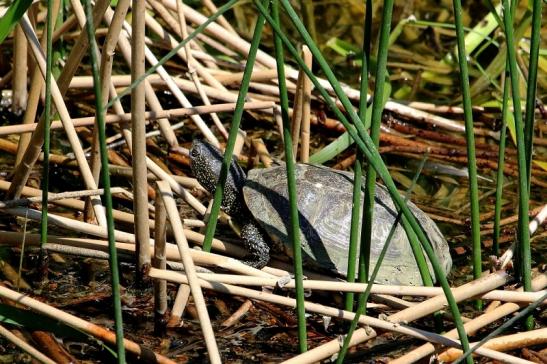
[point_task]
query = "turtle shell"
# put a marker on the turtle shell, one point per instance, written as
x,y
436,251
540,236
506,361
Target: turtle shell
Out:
x,y
325,203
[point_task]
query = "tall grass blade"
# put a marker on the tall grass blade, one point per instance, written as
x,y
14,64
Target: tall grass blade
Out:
x,y
363,297
355,237
501,164
365,144
234,128
523,258
47,140
12,16
470,138
294,225
532,86
376,121
112,251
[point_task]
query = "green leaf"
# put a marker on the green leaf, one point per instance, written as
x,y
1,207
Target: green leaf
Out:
x,y
16,10
32,320
344,141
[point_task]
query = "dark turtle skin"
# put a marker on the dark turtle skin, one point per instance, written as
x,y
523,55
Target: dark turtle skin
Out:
x,y
206,162
259,203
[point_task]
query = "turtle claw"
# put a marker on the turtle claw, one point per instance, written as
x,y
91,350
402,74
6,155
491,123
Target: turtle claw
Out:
x,y
255,244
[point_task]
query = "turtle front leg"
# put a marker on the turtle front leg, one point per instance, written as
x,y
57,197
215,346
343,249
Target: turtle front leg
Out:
x,y
255,244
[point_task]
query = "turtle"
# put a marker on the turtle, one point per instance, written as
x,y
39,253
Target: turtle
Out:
x,y
258,202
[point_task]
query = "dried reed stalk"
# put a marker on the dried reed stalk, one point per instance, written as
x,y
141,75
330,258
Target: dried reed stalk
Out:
x,y
424,308
472,326
242,46
138,134
65,118
184,250
159,261
334,345
182,32
306,108
338,286
32,153
19,82
149,115
181,299
503,343
23,345
77,323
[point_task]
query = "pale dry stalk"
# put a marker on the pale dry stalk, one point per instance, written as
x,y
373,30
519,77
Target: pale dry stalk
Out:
x,y
221,19
258,75
151,165
22,170
116,22
268,61
68,24
19,82
296,117
306,108
182,31
167,78
36,86
334,312
424,308
107,58
184,250
203,258
58,196
193,64
179,305
149,115
472,326
337,286
65,118
37,82
503,343
532,226
138,133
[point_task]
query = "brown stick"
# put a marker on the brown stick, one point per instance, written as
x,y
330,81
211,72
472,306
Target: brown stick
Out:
x,y
89,328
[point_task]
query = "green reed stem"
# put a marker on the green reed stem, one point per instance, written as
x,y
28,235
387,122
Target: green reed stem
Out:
x,y
354,229
47,132
365,144
107,197
234,128
531,86
294,226
501,164
364,255
376,121
470,138
523,261
363,297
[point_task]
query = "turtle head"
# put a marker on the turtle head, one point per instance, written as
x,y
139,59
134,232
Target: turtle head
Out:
x,y
206,163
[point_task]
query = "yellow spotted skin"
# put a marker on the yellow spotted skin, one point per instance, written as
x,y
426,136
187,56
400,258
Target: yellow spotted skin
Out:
x,y
206,162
